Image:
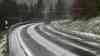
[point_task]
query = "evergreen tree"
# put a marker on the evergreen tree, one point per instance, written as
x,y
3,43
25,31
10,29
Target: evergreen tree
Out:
x,y
23,10
60,11
89,8
38,9
86,9
8,8
98,7
51,14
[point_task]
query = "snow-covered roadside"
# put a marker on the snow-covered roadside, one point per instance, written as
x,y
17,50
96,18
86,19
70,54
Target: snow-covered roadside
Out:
x,y
3,45
90,26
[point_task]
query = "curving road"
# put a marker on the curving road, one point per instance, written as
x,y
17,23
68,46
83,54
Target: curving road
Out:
x,y
38,39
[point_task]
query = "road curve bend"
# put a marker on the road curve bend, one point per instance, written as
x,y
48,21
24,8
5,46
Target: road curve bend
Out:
x,y
38,39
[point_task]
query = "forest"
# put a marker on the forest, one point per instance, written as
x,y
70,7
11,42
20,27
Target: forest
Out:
x,y
56,9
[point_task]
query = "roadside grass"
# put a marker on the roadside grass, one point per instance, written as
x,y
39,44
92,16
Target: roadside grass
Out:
x,y
3,44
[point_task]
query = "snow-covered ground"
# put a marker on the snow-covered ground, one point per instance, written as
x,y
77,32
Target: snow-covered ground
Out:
x,y
92,25
3,46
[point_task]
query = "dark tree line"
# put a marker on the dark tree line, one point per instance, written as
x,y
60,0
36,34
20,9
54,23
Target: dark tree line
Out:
x,y
98,7
8,8
86,8
81,8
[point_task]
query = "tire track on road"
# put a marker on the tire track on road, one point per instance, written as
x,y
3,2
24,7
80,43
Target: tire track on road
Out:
x,y
60,36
